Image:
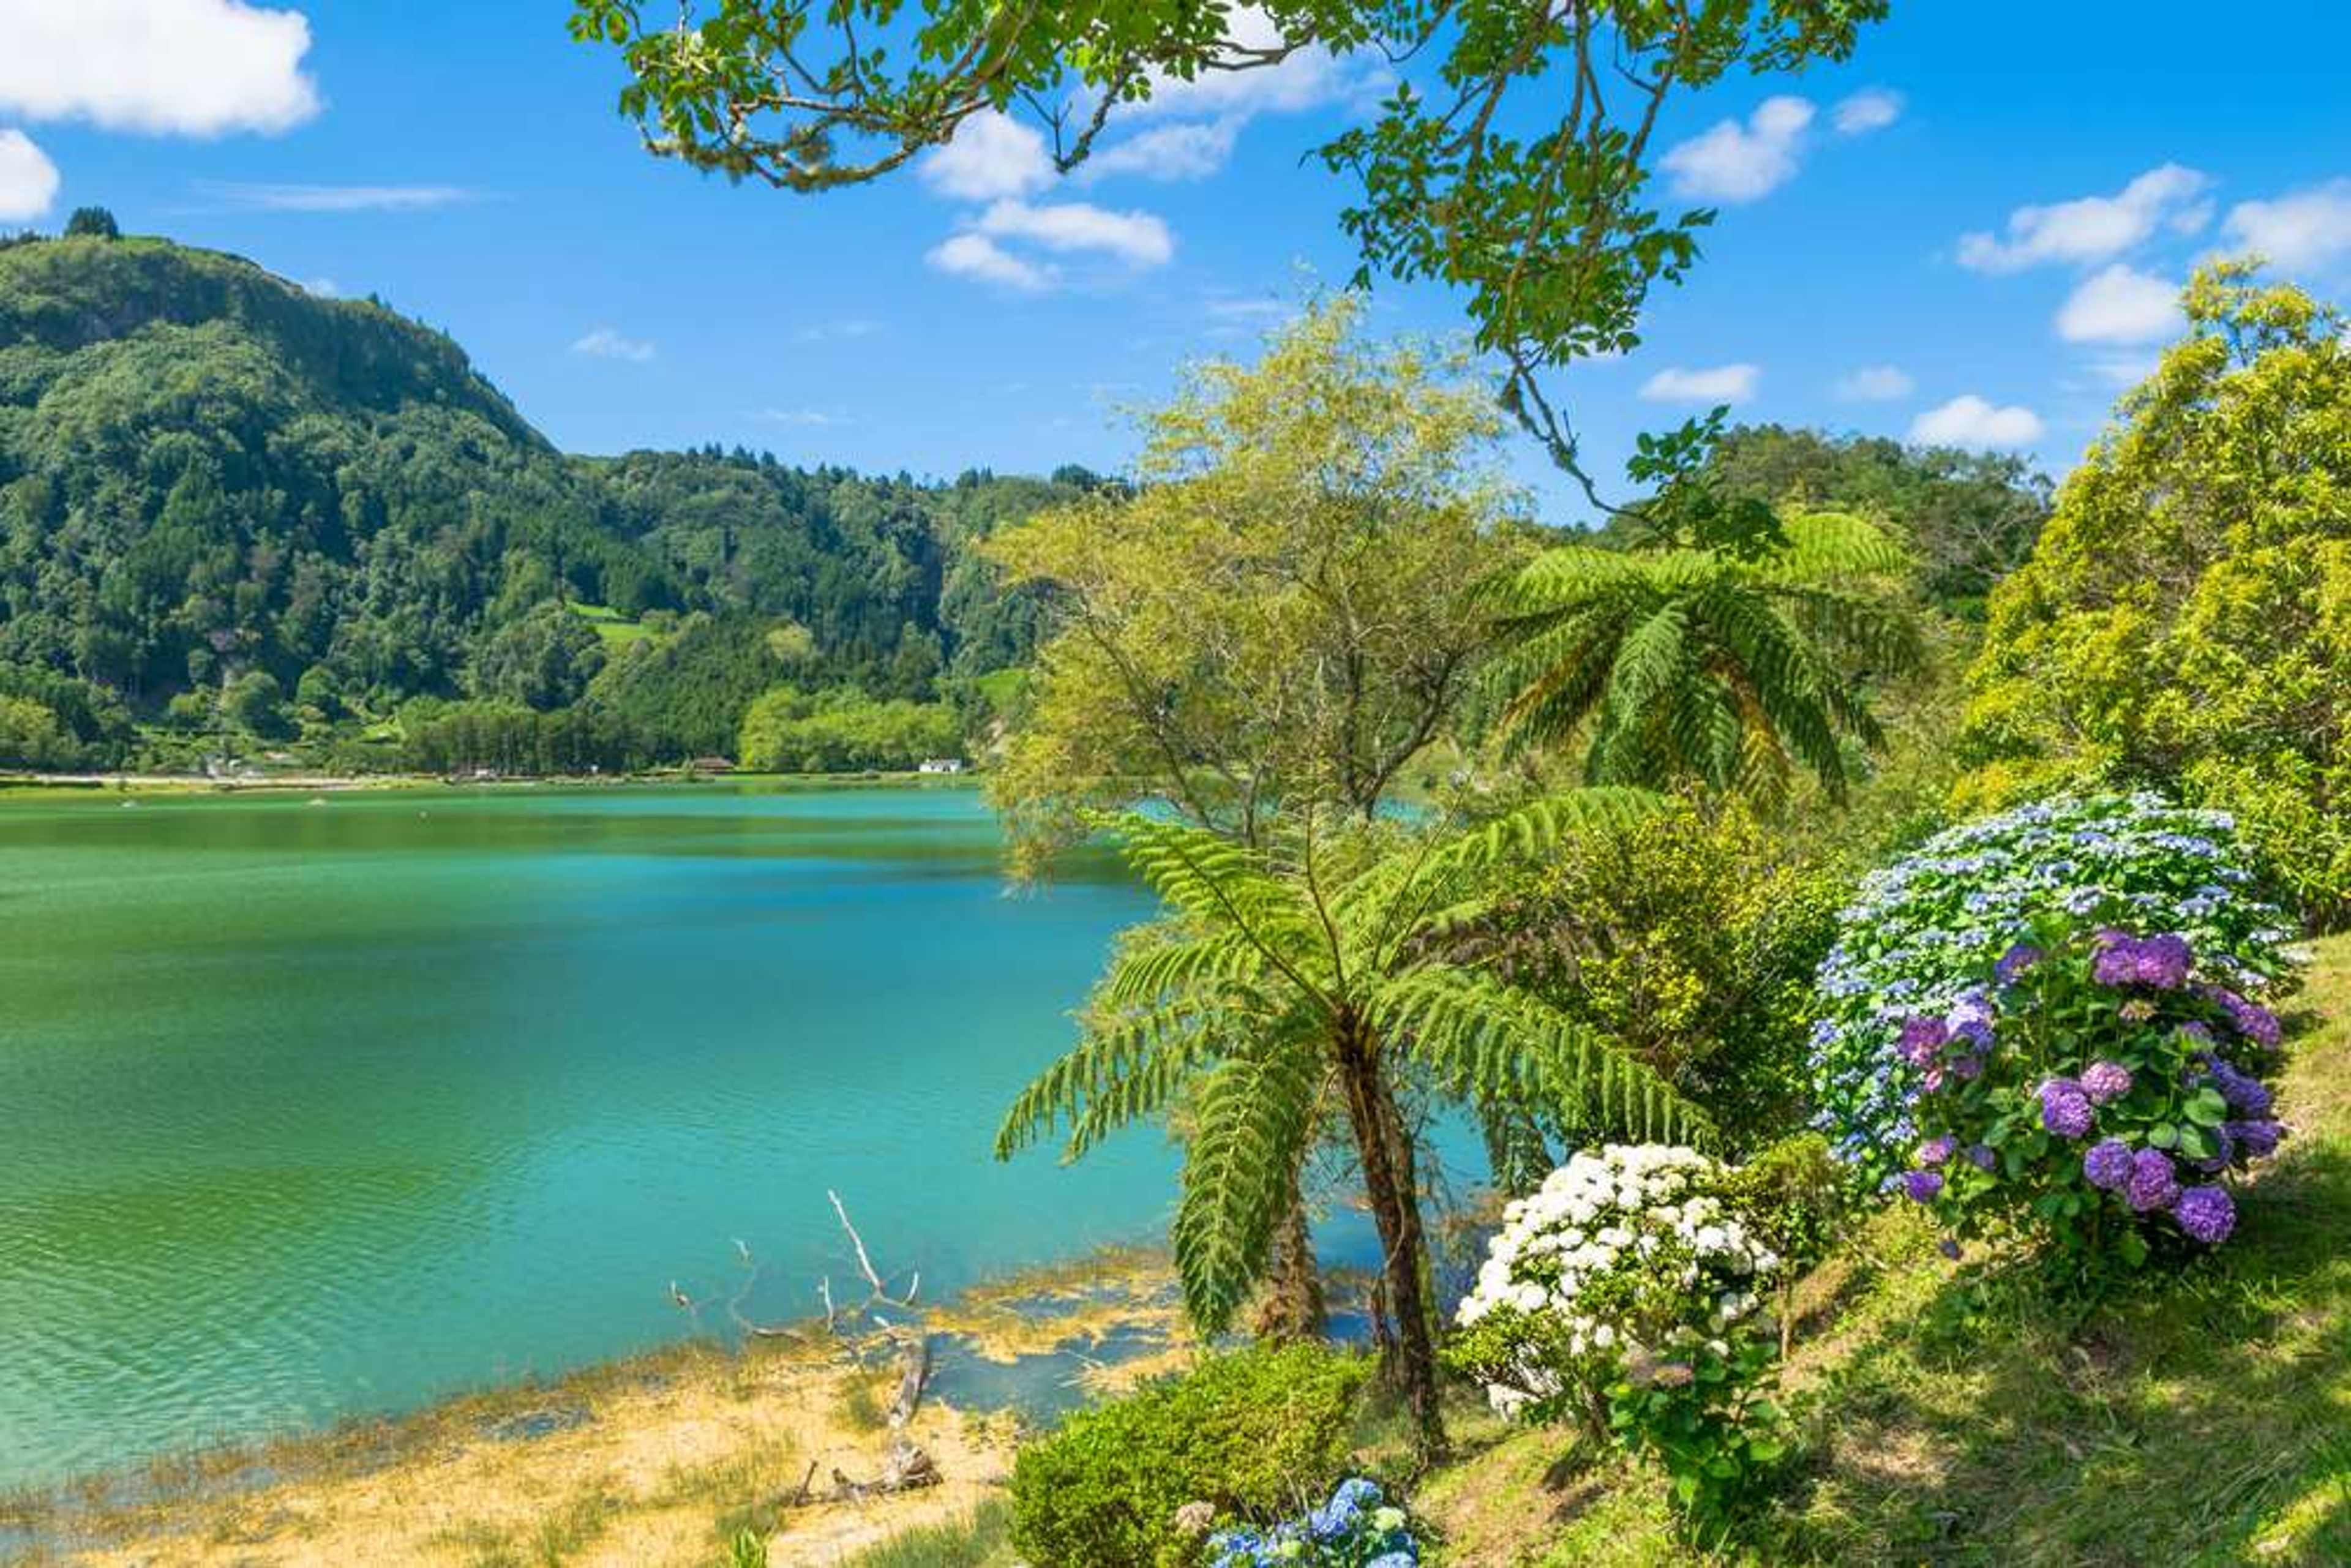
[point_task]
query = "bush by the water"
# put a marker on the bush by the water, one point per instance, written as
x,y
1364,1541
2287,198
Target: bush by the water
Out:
x,y
1921,931
2094,1092
1249,1434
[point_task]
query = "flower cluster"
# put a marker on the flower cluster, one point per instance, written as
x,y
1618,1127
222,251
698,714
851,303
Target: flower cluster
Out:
x,y
1358,1527
1624,1253
1624,1293
2113,1088
1923,935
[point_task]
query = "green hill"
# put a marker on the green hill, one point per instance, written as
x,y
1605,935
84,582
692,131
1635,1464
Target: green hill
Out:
x,y
226,502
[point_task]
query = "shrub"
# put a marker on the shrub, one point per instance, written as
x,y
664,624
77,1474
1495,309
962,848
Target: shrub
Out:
x,y
2092,1093
1689,937
1624,1293
2186,618
1358,1527
1922,930
1248,1433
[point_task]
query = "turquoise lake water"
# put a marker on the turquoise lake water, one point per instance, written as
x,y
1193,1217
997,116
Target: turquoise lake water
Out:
x,y
309,1109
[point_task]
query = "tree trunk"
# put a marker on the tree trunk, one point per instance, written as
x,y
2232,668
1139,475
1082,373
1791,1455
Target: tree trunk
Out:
x,y
1292,1308
1395,1210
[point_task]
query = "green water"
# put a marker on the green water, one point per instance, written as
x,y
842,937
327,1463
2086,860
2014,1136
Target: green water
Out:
x,y
315,1108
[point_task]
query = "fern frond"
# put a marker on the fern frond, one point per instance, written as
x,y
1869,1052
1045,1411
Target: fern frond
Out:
x,y
1251,1120
1118,1064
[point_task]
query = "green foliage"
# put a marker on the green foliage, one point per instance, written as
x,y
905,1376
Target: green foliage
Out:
x,y
1710,1425
30,735
2186,620
1476,172
978,1540
791,731
463,738
1969,519
1689,938
91,223
255,704
745,1548
1726,666
1249,1433
202,467
1283,613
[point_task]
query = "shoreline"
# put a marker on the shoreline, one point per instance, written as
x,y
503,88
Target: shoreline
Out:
x,y
70,785
660,1454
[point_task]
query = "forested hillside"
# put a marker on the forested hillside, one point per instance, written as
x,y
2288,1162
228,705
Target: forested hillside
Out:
x,y
232,513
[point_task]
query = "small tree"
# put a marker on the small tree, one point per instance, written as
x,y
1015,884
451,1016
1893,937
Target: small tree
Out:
x,y
91,223
1322,969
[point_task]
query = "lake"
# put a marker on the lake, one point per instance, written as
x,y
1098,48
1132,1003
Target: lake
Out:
x,y
314,1107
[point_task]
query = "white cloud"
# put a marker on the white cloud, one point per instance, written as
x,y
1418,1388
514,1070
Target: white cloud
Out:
x,y
1137,238
1871,109
191,68
992,156
814,418
977,255
2300,230
337,198
609,343
2094,228
1876,383
1970,421
28,181
1735,163
1188,151
1721,384
2120,305
323,288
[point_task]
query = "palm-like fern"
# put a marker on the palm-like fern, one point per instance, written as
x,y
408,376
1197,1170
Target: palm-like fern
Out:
x,y
1273,983
1715,664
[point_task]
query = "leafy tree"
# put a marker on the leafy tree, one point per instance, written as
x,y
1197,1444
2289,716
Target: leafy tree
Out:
x,y
792,731
1726,663
91,223
544,660
255,704
30,735
1482,170
1320,968
2186,620
1284,611
1969,518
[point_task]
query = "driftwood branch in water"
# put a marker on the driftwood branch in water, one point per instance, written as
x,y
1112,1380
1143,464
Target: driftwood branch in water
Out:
x,y
913,1376
865,1262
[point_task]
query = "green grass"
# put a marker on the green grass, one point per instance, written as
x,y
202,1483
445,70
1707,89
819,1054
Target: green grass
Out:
x,y
1956,1417
610,624
979,1540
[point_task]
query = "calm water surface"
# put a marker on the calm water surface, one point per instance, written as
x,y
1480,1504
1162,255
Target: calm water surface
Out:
x,y
315,1108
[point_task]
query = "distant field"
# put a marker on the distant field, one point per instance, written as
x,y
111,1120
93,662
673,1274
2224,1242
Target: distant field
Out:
x,y
610,623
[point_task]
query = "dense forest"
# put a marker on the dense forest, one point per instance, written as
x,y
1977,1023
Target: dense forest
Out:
x,y
235,515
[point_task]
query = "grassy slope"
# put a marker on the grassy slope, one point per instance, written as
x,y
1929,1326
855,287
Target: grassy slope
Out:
x,y
2203,1420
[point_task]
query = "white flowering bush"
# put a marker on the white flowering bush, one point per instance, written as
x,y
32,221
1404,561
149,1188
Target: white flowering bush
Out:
x,y
1625,1293
1923,931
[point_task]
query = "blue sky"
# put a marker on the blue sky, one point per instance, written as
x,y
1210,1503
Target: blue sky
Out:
x,y
1968,232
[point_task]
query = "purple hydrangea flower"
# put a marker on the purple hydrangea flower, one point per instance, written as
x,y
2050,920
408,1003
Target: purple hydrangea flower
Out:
x,y
2251,1020
2246,1095
2108,1165
2104,1081
2254,1140
1967,1067
1922,1037
1935,1151
2064,1108
1922,1187
1949,1249
2015,961
1981,1156
2153,1183
2206,1213
2159,962
2224,1153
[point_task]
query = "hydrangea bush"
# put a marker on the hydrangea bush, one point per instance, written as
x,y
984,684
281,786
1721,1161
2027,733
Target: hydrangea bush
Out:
x,y
1624,1293
2096,1089
1358,1527
1920,933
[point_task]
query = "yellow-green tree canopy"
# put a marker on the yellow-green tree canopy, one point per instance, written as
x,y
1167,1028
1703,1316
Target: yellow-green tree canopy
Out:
x,y
1282,610
2185,618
